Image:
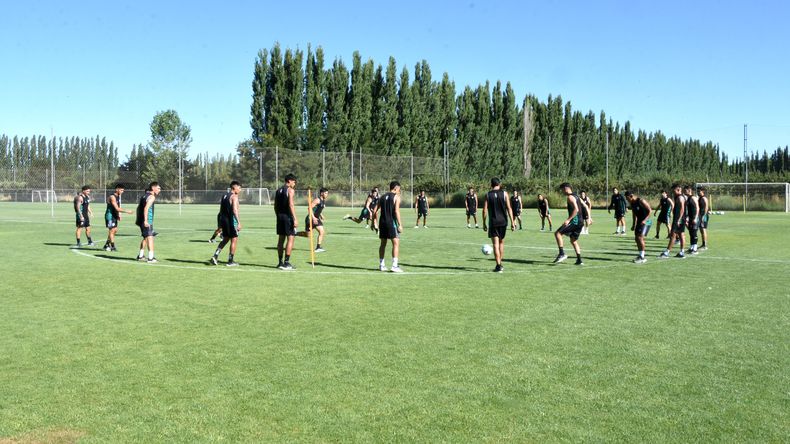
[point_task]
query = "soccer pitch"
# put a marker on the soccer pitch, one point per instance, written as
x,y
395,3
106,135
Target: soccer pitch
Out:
x,y
98,347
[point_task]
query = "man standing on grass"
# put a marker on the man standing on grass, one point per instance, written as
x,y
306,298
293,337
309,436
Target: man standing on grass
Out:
x,y
571,227
421,206
587,212
112,215
315,212
229,222
678,223
663,210
470,201
640,225
145,220
516,206
390,227
618,204
544,211
82,206
704,211
497,207
692,212
286,222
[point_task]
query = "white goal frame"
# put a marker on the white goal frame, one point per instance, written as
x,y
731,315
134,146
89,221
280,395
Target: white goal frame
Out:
x,y
746,189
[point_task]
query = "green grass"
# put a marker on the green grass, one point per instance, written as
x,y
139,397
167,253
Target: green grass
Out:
x,y
99,347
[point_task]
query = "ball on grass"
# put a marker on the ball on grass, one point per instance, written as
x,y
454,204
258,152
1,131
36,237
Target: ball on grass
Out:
x,y
487,249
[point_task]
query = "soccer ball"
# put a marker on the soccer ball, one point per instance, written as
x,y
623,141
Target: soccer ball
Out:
x,y
487,249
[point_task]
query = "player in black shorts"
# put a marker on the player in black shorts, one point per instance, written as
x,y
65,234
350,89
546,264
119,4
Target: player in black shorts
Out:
x,y
544,211
678,223
587,213
704,212
470,202
82,208
390,227
663,211
692,217
571,227
145,220
112,216
640,225
230,223
286,222
218,231
421,207
317,210
617,203
516,206
367,211
497,207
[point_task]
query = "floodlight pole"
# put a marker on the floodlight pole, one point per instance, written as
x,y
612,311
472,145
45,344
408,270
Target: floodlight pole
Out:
x,y
745,170
549,162
180,181
260,178
52,169
607,162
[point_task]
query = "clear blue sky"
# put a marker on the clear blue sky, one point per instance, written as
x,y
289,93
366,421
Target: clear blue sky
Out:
x,y
693,69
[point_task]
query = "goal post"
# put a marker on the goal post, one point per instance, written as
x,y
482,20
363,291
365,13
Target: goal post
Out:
x,y
751,196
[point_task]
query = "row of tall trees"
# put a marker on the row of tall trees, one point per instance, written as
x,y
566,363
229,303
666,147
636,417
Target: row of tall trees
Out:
x,y
88,153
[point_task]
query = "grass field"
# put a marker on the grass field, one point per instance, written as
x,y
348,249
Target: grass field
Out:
x,y
97,347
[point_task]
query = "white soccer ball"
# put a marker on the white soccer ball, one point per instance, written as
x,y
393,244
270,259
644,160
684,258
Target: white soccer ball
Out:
x,y
487,249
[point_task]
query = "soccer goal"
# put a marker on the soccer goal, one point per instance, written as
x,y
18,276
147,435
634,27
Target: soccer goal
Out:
x,y
256,195
42,196
759,196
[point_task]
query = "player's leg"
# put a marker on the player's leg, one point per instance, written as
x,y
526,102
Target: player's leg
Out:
x,y
549,217
150,243
320,230
289,246
395,254
424,220
577,249
542,222
88,233
497,253
280,249
78,233
232,253
703,231
382,251
560,246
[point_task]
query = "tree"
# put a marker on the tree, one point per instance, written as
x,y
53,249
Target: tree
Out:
x,y
170,140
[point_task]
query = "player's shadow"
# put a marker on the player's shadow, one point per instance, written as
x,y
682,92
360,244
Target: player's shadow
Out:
x,y
58,244
116,258
437,267
344,267
599,258
526,261
200,241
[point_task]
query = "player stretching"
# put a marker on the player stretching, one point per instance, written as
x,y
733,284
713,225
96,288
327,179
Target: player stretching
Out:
x,y
678,223
229,222
515,205
704,211
286,222
618,204
692,213
471,207
587,212
498,203
145,220
388,210
112,215
316,209
571,227
82,206
367,210
421,207
640,224
663,210
544,211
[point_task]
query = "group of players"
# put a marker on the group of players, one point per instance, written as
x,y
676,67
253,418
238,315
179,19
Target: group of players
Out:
x,y
381,213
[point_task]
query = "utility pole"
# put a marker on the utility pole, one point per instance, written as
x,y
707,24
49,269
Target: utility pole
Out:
x,y
607,162
745,170
549,162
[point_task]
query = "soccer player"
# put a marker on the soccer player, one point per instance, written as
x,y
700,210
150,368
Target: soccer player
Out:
x,y
388,211
112,215
497,207
678,223
618,204
471,207
704,211
316,209
286,222
145,220
229,221
640,224
515,205
218,231
571,227
692,219
663,210
367,210
544,211
587,213
421,207
82,207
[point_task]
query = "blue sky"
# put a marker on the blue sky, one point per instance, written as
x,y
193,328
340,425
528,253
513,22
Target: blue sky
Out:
x,y
693,69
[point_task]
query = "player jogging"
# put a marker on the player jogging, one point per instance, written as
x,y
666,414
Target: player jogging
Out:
x,y
544,211
587,213
663,210
286,222
571,227
316,209
388,211
367,210
678,223
470,201
640,224
617,203
515,205
704,212
145,220
229,221
112,215
497,207
692,219
421,207
82,208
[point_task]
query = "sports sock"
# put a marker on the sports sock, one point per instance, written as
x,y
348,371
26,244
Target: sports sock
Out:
x,y
562,251
579,256
150,254
216,252
642,253
287,258
381,262
230,257
78,241
90,241
317,246
394,261
112,244
142,253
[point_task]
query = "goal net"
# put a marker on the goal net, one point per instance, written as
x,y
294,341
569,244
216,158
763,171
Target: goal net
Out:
x,y
742,196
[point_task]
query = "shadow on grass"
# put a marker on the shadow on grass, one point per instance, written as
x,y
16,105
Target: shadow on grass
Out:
x,y
525,261
344,267
116,258
58,244
437,267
